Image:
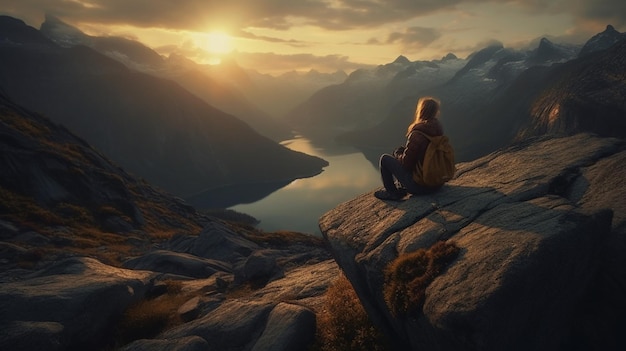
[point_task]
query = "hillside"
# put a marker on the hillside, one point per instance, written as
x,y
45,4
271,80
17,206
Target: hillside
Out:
x,y
61,197
187,73
92,258
150,126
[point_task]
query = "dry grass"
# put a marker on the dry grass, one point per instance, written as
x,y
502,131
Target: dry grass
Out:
x,y
24,125
408,276
149,317
281,238
343,324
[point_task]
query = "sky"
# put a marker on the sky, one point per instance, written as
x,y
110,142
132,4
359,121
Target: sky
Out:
x,y
275,36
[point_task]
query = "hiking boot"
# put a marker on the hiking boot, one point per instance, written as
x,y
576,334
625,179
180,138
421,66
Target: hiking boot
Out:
x,y
392,196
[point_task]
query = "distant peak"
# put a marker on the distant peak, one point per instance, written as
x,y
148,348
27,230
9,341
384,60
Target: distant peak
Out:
x,y
544,40
51,18
402,59
449,56
545,43
610,28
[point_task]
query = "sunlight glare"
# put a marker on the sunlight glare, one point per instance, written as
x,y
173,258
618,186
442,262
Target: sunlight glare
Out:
x,y
219,43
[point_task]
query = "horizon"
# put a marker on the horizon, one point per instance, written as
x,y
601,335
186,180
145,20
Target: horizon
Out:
x,y
328,35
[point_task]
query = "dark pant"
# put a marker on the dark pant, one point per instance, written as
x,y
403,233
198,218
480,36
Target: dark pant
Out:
x,y
391,168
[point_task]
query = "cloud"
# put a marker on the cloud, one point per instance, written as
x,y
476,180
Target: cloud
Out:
x,y
602,11
414,38
247,35
197,15
268,62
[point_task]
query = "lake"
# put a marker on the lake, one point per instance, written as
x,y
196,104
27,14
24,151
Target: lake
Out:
x,y
298,205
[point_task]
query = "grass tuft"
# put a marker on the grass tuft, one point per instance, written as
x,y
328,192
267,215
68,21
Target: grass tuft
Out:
x,y
408,276
343,323
149,317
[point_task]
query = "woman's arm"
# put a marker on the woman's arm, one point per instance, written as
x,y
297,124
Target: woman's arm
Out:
x,y
411,154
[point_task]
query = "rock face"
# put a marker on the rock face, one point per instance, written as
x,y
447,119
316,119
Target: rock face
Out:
x,y
69,305
537,224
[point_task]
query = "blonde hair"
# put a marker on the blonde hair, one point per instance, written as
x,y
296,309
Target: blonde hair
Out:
x,y
427,109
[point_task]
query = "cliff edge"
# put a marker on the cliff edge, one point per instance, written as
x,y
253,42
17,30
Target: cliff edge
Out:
x,y
540,228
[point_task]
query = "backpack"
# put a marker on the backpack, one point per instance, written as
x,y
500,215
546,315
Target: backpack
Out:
x,y
438,166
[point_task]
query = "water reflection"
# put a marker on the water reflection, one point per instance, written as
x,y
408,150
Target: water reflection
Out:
x,y
299,205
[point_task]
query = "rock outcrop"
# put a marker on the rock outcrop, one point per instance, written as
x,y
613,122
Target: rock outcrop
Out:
x,y
541,231
81,303
69,305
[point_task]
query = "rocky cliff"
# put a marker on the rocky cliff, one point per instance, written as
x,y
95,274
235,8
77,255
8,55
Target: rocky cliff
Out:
x,y
540,228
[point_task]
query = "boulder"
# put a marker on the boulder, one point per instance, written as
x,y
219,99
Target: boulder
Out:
x,y
259,267
74,303
303,285
216,242
190,343
177,263
21,335
532,230
289,327
234,325
251,325
190,309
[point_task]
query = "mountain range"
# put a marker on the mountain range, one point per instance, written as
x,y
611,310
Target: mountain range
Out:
x,y
490,98
149,125
486,98
244,93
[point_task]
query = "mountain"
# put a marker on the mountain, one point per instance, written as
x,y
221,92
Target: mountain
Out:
x,y
583,95
483,104
70,197
130,52
149,125
280,94
198,79
366,96
602,40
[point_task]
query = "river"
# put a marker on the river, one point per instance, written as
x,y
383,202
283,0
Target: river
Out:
x,y
298,205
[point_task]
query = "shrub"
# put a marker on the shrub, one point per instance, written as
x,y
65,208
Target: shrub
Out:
x,y
343,324
408,276
149,317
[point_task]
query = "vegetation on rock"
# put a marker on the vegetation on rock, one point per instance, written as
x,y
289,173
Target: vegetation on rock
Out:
x,y
408,276
343,324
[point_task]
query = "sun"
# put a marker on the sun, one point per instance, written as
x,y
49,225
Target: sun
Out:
x,y
219,43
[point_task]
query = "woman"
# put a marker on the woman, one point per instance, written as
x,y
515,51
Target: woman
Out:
x,y
405,159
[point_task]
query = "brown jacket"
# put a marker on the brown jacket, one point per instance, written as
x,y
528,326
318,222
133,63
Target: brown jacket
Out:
x,y
416,143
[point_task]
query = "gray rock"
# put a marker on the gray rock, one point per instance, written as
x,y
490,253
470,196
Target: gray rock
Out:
x,y
31,238
21,335
234,325
215,242
190,309
190,343
290,327
82,295
303,285
259,266
7,230
532,226
177,263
